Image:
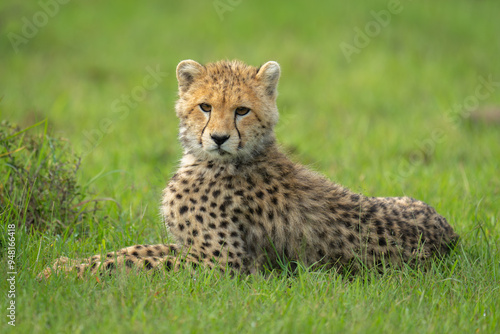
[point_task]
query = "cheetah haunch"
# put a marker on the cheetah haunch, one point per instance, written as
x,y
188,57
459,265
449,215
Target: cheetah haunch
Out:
x,y
238,203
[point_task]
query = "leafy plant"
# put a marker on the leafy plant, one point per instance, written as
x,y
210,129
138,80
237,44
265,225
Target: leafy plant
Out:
x,y
39,180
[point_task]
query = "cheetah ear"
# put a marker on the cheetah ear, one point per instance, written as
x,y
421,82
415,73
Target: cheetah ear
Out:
x,y
269,74
187,71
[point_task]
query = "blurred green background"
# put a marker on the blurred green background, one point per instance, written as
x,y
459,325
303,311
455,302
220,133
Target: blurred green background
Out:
x,y
375,120
389,98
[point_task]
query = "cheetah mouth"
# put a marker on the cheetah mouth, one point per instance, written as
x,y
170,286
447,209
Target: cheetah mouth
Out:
x,y
219,151
222,152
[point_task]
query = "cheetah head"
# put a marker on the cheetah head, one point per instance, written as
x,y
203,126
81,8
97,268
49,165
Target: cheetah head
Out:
x,y
227,110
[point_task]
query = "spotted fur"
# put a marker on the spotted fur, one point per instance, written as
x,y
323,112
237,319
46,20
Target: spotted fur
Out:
x,y
238,202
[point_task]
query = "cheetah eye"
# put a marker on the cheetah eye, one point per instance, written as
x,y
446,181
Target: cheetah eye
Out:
x,y
242,111
205,107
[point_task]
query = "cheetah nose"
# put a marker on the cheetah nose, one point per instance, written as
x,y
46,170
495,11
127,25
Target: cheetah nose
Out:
x,y
219,139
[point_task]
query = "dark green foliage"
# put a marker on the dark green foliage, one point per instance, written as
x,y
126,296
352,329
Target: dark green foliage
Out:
x,y
39,185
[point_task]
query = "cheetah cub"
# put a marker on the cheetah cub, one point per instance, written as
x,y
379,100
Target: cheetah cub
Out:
x,y
239,204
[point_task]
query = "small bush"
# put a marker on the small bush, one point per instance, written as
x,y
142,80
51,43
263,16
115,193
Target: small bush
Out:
x,y
39,187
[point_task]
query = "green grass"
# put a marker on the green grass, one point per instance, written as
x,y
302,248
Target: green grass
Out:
x,y
377,124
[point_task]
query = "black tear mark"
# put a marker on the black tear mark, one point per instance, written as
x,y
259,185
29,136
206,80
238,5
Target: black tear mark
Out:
x,y
202,131
238,131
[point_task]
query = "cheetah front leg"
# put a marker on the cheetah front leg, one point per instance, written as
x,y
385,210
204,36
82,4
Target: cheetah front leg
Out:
x,y
146,255
171,258
128,263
